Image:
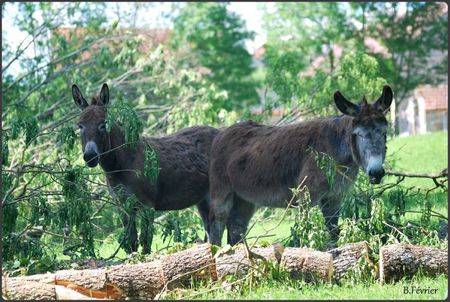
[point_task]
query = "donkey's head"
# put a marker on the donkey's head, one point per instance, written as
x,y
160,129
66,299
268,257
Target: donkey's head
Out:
x,y
94,137
369,128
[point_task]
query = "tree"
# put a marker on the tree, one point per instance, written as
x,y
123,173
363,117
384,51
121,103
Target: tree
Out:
x,y
210,36
46,189
414,41
303,32
308,28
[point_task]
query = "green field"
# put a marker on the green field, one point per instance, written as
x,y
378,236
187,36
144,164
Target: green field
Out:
x,y
302,291
425,153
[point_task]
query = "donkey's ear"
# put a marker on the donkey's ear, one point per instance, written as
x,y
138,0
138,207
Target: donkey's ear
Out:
x,y
104,95
384,101
78,97
345,106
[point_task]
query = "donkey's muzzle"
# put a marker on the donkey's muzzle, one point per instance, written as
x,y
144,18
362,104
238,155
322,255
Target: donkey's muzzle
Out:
x,y
91,154
375,175
91,159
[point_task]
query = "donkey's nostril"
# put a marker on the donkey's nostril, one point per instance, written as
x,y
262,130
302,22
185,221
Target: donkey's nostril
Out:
x,y
91,159
375,175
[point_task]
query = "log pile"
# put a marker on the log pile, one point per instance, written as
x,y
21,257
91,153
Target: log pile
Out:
x,y
178,270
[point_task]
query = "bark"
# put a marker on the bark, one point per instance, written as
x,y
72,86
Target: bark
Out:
x,y
196,262
140,281
346,258
399,260
236,261
307,264
18,289
13,289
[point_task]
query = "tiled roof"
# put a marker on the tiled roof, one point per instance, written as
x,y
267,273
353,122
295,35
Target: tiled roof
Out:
x,y
436,97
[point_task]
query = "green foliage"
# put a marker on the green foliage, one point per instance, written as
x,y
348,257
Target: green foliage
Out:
x,y
151,163
75,213
123,114
27,126
327,166
406,57
181,226
66,138
309,228
213,38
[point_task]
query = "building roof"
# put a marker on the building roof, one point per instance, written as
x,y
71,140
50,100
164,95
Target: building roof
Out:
x,y
436,97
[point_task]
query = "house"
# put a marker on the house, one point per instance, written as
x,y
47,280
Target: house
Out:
x,y
425,110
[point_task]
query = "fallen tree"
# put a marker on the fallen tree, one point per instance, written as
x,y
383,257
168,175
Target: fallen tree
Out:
x,y
178,270
399,260
347,257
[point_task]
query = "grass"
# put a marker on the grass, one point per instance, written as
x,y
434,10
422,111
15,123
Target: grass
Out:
x,y
295,290
424,153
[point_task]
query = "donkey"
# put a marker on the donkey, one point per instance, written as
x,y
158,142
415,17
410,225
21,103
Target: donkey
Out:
x,y
183,165
254,164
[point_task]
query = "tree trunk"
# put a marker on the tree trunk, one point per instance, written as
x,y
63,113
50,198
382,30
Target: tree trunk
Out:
x,y
236,262
140,281
196,262
18,289
399,260
347,257
13,289
307,264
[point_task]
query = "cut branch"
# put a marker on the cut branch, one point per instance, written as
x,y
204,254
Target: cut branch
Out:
x,y
443,173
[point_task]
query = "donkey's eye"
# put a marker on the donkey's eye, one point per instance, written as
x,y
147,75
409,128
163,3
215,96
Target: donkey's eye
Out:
x,y
80,126
102,126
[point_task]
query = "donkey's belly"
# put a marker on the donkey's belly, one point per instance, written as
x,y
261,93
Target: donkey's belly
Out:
x,y
267,197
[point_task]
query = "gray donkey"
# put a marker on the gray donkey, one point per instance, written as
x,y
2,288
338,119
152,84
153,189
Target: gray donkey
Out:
x,y
253,164
183,162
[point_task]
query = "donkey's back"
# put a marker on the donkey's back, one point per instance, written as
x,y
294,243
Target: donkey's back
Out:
x,y
260,162
183,162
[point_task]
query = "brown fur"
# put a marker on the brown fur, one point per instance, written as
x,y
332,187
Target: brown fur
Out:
x,y
253,164
183,158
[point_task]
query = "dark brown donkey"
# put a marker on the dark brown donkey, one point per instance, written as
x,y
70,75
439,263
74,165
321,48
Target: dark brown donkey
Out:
x,y
183,162
253,164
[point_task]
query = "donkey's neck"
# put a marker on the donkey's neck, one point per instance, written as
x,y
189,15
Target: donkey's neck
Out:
x,y
336,139
118,151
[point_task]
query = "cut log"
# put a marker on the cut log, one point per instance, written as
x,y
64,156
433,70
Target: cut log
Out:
x,y
139,281
347,257
91,283
307,264
48,278
196,262
399,260
13,289
64,293
236,262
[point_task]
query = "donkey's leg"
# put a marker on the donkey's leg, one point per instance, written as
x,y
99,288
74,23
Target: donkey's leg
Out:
x,y
330,209
237,223
203,209
221,205
130,232
146,236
